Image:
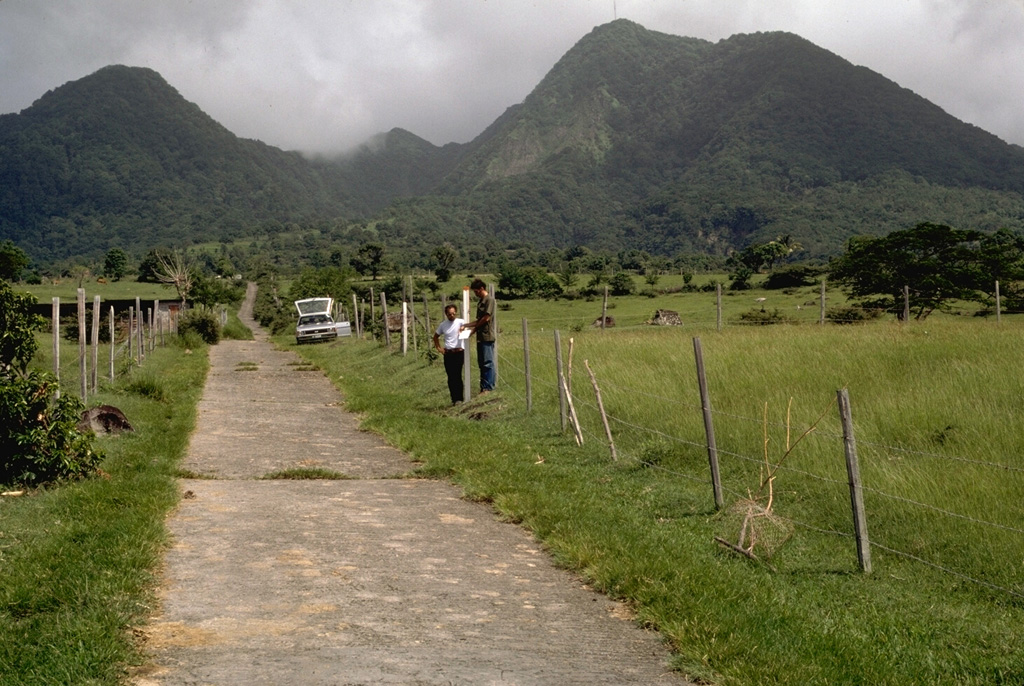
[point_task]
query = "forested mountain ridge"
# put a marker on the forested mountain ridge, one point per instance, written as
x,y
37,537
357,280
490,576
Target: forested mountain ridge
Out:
x,y
119,158
634,140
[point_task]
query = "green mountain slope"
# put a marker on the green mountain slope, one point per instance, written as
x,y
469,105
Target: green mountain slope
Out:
x,y
120,158
634,140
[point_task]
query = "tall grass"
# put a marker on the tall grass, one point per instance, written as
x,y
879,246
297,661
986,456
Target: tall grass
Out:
x,y
933,407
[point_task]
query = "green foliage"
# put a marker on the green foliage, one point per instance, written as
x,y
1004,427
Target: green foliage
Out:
x,y
938,264
526,282
621,284
793,276
145,386
202,322
17,327
208,292
445,258
12,261
329,282
762,317
39,438
115,264
852,314
372,259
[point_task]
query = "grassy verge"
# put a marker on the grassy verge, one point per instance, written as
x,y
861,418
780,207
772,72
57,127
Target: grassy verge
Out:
x,y
934,412
77,560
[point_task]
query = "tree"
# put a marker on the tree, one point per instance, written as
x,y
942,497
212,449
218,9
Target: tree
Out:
x,y
937,263
621,284
445,257
371,258
115,264
17,327
12,261
176,270
318,283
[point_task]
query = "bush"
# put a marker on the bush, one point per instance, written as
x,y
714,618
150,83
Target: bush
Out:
x,y
39,438
202,322
851,314
794,276
765,317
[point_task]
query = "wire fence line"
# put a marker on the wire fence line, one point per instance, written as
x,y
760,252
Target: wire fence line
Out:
x,y
901,520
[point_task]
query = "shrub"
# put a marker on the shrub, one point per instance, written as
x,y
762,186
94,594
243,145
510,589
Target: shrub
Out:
x,y
764,317
851,314
202,322
39,437
146,386
793,276
621,284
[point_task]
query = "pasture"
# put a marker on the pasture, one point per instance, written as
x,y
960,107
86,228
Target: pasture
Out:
x,y
935,408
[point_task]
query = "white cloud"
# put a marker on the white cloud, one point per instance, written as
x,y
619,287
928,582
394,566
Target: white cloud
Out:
x,y
326,75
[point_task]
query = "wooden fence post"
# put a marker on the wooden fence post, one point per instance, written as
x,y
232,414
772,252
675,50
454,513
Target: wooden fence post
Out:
x,y
718,301
405,328
600,407
384,309
131,334
906,304
55,325
860,523
604,308
467,384
560,380
95,344
83,372
113,342
821,314
493,292
709,426
999,309
526,365
140,340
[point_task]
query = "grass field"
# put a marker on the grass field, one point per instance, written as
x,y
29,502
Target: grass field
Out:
x,y
934,405
78,560
67,291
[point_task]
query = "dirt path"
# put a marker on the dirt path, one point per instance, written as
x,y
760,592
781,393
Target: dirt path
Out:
x,y
372,580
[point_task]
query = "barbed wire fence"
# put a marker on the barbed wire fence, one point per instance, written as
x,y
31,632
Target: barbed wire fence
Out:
x,y
956,531
130,338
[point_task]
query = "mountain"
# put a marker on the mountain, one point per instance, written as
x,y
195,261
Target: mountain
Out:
x,y
644,140
119,158
634,140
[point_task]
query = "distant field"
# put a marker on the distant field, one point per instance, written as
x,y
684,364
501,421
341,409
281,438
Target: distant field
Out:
x,y
67,290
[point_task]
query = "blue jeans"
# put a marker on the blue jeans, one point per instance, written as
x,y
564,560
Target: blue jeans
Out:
x,y
485,358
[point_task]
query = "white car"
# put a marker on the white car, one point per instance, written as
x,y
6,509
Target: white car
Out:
x,y
315,322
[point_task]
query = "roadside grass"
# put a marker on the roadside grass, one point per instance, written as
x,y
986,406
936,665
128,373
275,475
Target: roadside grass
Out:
x,y
77,559
299,473
934,405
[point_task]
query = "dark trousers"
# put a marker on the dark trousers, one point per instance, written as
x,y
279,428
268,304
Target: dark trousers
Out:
x,y
453,361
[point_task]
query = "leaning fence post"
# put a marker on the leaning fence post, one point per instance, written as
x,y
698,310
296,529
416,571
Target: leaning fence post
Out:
x,y
559,379
55,325
526,365
83,372
600,407
709,426
860,523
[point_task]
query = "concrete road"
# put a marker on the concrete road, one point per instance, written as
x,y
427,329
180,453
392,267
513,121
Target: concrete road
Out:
x,y
376,579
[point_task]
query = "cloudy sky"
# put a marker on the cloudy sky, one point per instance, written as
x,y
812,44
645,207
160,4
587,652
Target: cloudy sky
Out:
x,y
325,75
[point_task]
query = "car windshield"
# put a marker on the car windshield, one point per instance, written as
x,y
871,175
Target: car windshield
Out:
x,y
313,319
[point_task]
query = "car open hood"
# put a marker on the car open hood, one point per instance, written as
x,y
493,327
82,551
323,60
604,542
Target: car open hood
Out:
x,y
314,306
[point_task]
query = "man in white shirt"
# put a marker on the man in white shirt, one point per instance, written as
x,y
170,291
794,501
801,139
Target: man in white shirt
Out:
x,y
452,350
